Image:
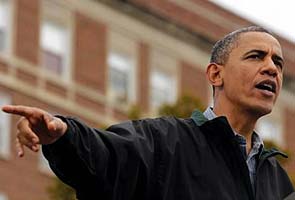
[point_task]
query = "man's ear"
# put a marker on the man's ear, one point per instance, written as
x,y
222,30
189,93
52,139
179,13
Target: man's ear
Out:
x,y
215,74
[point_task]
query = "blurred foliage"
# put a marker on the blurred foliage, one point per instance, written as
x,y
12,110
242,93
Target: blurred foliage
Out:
x,y
134,112
60,191
184,107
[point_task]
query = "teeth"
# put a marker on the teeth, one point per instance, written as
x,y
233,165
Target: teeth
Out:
x,y
268,85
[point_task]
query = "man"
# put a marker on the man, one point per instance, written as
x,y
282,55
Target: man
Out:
x,y
212,155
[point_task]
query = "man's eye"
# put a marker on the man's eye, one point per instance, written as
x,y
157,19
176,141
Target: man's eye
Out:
x,y
279,64
255,56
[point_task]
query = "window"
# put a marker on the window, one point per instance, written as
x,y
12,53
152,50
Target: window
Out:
x,y
120,70
5,22
54,47
163,87
163,79
55,38
4,128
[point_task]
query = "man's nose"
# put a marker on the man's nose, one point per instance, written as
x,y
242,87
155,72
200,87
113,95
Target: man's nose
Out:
x,y
270,68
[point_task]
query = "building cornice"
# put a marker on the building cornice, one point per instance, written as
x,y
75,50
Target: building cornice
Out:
x,y
160,23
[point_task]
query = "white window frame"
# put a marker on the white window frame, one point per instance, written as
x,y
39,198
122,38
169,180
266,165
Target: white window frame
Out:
x,y
5,127
8,42
122,45
162,62
55,13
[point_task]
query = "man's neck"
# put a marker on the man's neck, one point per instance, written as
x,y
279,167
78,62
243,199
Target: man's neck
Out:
x,y
240,121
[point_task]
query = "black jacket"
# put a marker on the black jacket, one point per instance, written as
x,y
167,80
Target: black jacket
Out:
x,y
164,158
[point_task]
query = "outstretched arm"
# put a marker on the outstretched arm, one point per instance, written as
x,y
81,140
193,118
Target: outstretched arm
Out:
x,y
94,162
35,127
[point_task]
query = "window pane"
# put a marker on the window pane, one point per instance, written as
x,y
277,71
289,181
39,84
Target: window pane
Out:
x,y
53,37
119,76
54,47
163,88
52,61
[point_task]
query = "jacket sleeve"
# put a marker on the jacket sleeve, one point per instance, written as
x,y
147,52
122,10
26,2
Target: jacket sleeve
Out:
x,y
117,161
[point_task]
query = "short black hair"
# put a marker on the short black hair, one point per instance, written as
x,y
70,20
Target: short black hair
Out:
x,y
223,47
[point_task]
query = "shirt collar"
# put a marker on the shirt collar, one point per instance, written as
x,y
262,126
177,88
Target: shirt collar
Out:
x,y
209,114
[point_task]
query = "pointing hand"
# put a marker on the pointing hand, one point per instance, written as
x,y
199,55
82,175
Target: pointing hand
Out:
x,y
35,127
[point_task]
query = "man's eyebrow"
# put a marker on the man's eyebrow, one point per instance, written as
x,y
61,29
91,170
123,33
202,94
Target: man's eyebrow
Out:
x,y
255,51
275,56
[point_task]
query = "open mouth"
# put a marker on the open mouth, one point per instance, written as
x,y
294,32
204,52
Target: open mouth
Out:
x,y
267,85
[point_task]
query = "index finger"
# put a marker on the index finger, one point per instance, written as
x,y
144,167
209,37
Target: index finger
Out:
x,y
24,111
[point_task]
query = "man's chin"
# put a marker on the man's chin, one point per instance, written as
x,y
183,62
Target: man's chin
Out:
x,y
263,110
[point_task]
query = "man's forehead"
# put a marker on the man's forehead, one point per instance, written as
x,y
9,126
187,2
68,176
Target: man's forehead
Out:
x,y
259,41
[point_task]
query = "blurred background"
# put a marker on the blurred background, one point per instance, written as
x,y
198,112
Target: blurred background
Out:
x,y
105,61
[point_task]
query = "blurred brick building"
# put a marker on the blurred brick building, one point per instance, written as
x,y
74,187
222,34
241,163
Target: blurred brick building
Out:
x,y
96,58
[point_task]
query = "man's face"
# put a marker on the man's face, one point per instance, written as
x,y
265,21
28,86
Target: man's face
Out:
x,y
252,75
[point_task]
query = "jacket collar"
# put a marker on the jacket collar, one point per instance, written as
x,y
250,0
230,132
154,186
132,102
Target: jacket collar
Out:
x,y
198,117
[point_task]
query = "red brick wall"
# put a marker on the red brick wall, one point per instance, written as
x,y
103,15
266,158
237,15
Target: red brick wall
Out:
x,y
193,81
90,53
143,76
27,30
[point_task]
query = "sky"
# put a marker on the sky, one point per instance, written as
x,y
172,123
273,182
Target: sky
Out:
x,y
276,15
